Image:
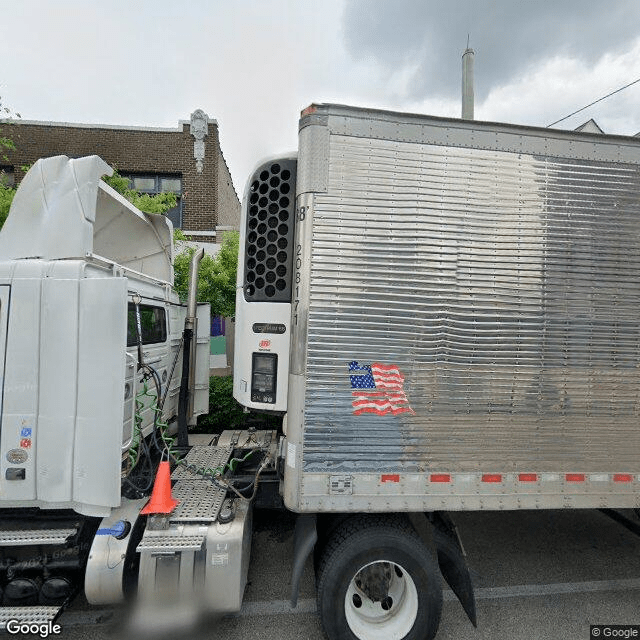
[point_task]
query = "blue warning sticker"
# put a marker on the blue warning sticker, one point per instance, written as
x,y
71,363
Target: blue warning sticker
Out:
x,y
26,432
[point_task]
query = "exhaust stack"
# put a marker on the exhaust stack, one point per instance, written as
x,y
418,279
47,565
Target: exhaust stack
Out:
x,y
185,401
467,84
193,287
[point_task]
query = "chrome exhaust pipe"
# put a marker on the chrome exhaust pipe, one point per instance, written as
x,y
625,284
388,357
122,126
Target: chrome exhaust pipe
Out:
x,y
185,400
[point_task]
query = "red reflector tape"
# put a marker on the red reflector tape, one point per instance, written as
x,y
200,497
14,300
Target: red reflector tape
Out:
x,y
574,477
440,477
492,477
390,477
622,477
528,477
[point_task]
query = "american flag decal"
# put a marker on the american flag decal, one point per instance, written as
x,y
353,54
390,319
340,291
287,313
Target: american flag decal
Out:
x,y
378,388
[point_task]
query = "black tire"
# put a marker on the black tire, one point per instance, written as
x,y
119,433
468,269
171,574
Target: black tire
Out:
x,y
391,541
637,512
327,524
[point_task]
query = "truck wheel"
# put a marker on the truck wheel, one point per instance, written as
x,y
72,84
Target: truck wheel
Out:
x,y
378,581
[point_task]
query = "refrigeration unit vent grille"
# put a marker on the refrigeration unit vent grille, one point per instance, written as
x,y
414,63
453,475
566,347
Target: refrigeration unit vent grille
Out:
x,y
269,232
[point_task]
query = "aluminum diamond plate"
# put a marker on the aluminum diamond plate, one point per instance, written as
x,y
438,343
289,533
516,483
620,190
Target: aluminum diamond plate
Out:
x,y
28,615
199,501
201,457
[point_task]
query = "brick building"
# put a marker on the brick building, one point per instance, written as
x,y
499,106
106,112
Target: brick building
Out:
x,y
187,160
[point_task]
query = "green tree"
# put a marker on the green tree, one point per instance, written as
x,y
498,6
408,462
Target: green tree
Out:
x,y
6,144
6,198
156,203
216,278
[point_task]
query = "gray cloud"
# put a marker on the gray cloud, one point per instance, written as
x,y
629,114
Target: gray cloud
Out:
x,y
508,36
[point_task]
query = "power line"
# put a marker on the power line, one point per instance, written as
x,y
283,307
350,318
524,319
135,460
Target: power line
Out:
x,y
595,102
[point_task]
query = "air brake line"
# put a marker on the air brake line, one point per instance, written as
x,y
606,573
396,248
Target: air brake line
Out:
x,y
214,475
157,405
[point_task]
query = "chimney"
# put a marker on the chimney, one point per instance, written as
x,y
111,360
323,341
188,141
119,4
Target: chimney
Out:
x,y
467,84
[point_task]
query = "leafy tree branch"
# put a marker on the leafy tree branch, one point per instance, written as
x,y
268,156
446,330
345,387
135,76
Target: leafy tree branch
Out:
x,y
149,203
216,278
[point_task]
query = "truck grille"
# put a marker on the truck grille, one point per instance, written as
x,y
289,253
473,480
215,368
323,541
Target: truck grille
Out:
x,y
269,232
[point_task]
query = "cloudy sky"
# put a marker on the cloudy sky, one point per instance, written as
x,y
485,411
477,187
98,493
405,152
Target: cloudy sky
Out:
x,y
254,64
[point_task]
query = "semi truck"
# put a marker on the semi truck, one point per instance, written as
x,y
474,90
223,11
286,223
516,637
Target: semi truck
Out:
x,y
442,313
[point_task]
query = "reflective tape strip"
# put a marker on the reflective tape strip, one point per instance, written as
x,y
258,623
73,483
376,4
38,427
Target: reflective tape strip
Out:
x,y
528,477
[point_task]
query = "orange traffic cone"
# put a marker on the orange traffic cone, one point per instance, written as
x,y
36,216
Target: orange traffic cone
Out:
x,y
161,500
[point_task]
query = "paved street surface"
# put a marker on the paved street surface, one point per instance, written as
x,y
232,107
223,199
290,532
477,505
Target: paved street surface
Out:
x,y
538,575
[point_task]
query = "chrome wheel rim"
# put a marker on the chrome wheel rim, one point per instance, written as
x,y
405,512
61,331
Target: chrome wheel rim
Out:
x,y
381,602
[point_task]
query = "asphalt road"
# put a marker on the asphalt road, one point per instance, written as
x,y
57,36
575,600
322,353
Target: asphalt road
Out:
x,y
537,575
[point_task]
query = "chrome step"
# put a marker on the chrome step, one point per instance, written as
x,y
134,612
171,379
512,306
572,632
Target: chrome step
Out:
x,y
19,537
172,540
38,614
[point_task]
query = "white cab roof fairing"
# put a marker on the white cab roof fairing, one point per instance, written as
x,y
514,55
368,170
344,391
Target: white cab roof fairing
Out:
x,y
62,209
138,241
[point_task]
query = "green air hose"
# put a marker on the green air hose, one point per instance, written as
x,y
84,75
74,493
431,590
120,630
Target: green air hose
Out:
x,y
169,442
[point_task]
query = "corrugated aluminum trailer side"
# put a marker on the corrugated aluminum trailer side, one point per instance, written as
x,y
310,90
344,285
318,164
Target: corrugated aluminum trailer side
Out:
x,y
465,307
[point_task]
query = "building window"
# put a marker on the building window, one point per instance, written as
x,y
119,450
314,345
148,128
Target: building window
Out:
x,y
7,176
144,184
152,184
171,184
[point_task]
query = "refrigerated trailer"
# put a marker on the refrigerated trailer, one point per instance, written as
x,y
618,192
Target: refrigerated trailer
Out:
x,y
446,313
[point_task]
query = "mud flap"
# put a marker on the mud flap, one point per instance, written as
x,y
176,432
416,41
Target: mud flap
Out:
x,y
452,561
305,538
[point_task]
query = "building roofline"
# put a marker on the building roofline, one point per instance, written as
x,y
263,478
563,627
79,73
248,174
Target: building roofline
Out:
x,y
233,186
88,125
